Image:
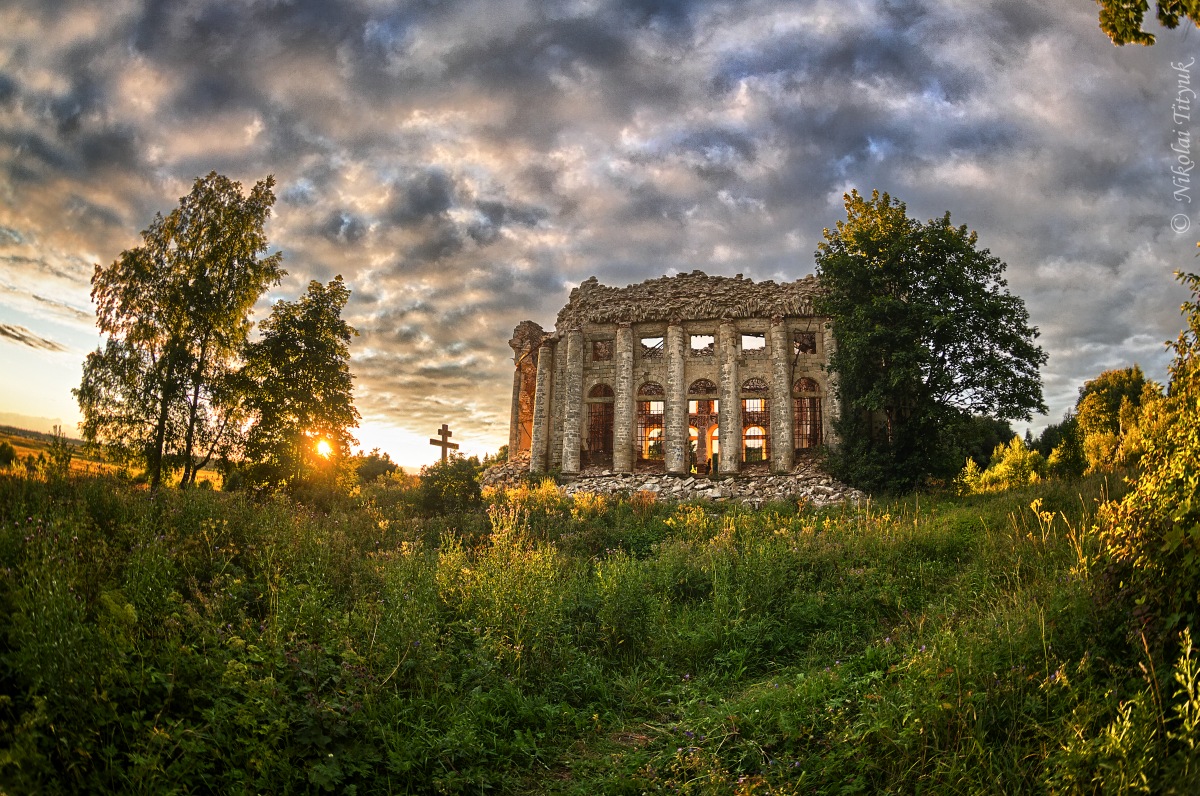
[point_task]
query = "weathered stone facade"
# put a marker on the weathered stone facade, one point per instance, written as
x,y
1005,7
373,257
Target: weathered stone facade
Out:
x,y
659,376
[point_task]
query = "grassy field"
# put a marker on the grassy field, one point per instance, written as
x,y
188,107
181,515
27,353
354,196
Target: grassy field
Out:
x,y
35,444
203,642
84,462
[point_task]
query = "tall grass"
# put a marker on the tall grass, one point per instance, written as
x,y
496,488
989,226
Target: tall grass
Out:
x,y
200,641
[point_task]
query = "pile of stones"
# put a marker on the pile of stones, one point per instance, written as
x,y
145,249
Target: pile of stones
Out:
x,y
509,474
805,483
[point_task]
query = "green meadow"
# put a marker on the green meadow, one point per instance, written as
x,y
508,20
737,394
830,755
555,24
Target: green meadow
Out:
x,y
193,641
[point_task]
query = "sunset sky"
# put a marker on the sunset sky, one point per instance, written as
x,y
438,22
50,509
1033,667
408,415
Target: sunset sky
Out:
x,y
464,164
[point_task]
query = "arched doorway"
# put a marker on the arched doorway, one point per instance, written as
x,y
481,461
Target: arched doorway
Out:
x,y
651,404
598,445
756,419
754,445
702,419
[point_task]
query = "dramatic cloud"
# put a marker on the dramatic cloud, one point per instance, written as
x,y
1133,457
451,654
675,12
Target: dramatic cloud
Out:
x,y
462,165
20,334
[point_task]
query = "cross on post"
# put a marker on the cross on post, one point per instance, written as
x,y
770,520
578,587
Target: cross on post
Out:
x,y
444,443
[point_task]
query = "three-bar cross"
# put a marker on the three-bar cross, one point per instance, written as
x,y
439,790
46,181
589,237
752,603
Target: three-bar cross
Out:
x,y
444,443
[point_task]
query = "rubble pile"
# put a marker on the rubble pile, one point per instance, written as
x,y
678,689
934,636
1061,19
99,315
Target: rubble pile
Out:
x,y
806,482
509,474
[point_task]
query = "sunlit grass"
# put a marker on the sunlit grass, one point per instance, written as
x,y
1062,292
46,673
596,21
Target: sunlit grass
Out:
x,y
557,645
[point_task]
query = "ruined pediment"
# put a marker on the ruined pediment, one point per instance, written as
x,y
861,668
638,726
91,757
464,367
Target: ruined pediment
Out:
x,y
693,296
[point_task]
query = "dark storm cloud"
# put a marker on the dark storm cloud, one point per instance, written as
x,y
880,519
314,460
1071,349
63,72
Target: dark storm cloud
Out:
x,y
8,91
343,227
423,196
463,165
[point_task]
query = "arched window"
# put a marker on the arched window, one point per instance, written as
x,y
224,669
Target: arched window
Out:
x,y
650,407
754,444
702,387
807,431
755,411
756,418
598,448
754,397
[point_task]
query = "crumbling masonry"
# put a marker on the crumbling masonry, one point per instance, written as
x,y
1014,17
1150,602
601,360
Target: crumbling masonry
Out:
x,y
663,375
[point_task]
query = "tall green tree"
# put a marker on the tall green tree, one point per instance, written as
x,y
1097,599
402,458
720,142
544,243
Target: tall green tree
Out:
x,y
301,389
176,313
1101,399
1122,19
927,335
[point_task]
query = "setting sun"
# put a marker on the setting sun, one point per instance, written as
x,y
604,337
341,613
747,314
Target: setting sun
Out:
x,y
324,449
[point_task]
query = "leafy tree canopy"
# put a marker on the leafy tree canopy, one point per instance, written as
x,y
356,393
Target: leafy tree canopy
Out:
x,y
1122,19
1101,399
176,313
300,386
928,335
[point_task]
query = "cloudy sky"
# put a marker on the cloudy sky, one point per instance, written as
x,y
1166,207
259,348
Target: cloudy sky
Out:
x,y
463,164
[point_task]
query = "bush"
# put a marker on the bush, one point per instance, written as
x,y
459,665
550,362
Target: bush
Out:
x,y
1153,535
373,465
451,486
1013,465
8,455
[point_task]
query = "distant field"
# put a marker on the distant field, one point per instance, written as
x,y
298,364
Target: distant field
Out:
x,y
35,443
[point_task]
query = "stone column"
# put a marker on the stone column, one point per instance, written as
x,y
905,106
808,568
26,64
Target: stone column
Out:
x,y
541,410
832,410
573,402
729,419
558,390
624,416
514,417
782,448
675,421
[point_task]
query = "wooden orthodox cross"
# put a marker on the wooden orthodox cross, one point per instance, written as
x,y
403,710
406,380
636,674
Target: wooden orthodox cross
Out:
x,y
445,433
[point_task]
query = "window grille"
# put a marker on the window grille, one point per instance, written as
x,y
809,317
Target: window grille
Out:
x,y
755,445
806,414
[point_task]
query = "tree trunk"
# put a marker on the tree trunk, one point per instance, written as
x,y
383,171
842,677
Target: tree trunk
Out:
x,y
189,468
160,439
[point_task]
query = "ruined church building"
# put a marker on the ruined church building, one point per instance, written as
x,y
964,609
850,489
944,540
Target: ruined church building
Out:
x,y
683,373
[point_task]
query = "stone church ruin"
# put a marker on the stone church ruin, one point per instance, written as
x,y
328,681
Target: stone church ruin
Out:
x,y
682,374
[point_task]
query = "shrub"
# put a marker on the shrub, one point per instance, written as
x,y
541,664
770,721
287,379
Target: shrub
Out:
x,y
373,465
1013,465
61,452
8,455
1153,535
451,485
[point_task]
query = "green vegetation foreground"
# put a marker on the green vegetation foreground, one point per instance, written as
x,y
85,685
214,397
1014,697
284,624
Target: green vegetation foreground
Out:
x,y
194,641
